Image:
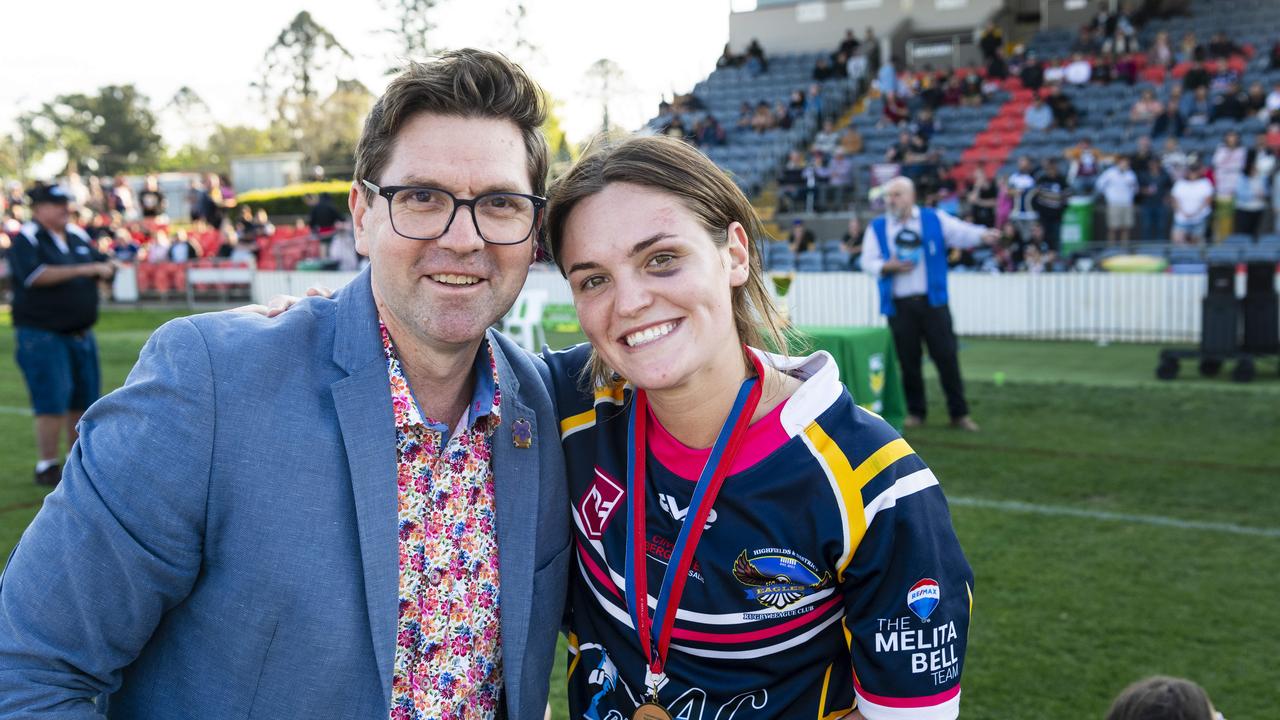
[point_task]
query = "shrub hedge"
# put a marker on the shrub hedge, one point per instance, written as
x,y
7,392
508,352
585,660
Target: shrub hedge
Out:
x,y
291,200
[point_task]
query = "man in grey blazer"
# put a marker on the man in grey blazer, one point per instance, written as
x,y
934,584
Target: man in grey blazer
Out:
x,y
356,510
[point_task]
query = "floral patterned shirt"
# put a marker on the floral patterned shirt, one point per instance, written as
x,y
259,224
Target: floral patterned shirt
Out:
x,y
448,663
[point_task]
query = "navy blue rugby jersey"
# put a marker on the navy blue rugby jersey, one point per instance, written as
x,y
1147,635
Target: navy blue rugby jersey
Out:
x,y
829,574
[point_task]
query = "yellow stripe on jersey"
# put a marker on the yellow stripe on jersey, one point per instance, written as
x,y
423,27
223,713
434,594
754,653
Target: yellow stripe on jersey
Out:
x,y
849,482
573,648
573,423
587,418
822,700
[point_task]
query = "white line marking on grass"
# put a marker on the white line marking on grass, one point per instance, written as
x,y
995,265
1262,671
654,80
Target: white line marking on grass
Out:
x,y
1157,520
10,410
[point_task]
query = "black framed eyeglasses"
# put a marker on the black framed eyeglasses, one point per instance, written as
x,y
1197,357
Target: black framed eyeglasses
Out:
x,y
426,213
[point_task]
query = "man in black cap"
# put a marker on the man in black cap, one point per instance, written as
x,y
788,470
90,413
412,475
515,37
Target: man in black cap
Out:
x,y
55,272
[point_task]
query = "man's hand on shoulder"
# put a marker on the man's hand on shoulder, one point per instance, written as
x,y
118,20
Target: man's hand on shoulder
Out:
x,y
281,303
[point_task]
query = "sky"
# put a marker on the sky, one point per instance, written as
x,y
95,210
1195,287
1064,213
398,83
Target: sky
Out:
x,y
662,46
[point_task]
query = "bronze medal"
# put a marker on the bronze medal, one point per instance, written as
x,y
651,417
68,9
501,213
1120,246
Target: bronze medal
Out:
x,y
651,711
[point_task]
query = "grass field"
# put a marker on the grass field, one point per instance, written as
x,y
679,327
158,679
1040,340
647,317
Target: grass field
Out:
x,y
1117,526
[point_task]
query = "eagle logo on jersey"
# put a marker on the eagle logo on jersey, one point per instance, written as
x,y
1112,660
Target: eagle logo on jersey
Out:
x,y
598,505
777,581
923,597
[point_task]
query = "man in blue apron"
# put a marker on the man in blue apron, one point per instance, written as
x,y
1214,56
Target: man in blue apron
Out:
x,y
906,251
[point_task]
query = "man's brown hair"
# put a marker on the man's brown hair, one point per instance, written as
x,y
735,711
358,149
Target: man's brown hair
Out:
x,y
465,83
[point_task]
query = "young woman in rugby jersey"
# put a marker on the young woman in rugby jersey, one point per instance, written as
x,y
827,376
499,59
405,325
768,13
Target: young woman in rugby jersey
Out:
x,y
750,542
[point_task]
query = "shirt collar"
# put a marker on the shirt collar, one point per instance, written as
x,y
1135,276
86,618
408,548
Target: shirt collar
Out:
x,y
484,410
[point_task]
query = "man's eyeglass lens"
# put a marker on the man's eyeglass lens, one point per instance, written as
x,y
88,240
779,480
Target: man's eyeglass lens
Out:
x,y
425,214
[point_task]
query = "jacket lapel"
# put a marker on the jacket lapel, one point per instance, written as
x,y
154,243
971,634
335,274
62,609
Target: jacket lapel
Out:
x,y
363,404
516,483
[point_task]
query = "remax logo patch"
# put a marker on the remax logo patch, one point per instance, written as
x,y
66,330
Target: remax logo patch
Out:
x,y
923,597
599,504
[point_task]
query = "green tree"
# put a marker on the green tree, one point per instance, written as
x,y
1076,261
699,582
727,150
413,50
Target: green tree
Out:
x,y
10,158
224,143
411,27
605,80
111,132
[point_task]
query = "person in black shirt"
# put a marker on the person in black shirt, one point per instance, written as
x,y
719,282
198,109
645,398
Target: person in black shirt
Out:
x,y
1197,77
55,271
1050,202
1232,104
151,200
324,217
1032,73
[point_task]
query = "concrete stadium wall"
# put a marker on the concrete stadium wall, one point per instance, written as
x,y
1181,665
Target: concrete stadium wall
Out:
x,y
820,25
1067,306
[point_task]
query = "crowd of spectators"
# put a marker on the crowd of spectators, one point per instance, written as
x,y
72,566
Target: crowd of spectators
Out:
x,y
131,222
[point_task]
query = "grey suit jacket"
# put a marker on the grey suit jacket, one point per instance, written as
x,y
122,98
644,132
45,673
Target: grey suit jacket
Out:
x,y
224,541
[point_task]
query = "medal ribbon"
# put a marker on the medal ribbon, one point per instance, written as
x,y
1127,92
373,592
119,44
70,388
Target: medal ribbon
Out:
x,y
655,641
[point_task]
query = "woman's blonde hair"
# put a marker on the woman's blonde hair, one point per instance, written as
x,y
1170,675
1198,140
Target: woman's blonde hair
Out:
x,y
673,167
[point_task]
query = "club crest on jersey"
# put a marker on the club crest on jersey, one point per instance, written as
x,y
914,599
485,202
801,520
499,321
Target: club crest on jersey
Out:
x,y
599,503
778,579
923,598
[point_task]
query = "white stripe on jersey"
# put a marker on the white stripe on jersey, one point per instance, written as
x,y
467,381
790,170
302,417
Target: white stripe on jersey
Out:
x,y
945,711
906,485
762,615
761,652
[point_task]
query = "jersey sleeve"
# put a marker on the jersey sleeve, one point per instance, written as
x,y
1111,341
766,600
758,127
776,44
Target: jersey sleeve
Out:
x,y
908,589
23,261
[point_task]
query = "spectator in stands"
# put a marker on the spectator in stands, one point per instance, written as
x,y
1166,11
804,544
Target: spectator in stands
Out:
x,y
813,102
827,138
727,59
746,115
822,70
676,128
1231,105
184,248
1222,47
871,48
151,201
887,78
1174,160
1169,123
990,41
1032,73
756,61
1050,202
997,67
906,252
1189,50
1223,78
1120,43
1266,157
213,201
234,250
1197,77
1163,698
1119,187
324,216
1086,42
763,119
99,199
851,242
123,247
157,251
246,225
1251,197
1161,53
1192,205
1228,162
782,116
1021,188
1154,184
1196,108
796,103
791,183
840,170
1084,168
122,198
1142,154
982,198
851,141
895,110
1064,111
1255,100
1079,71
925,124
855,70
971,94
708,131
1104,69
1038,116
801,238
1145,109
